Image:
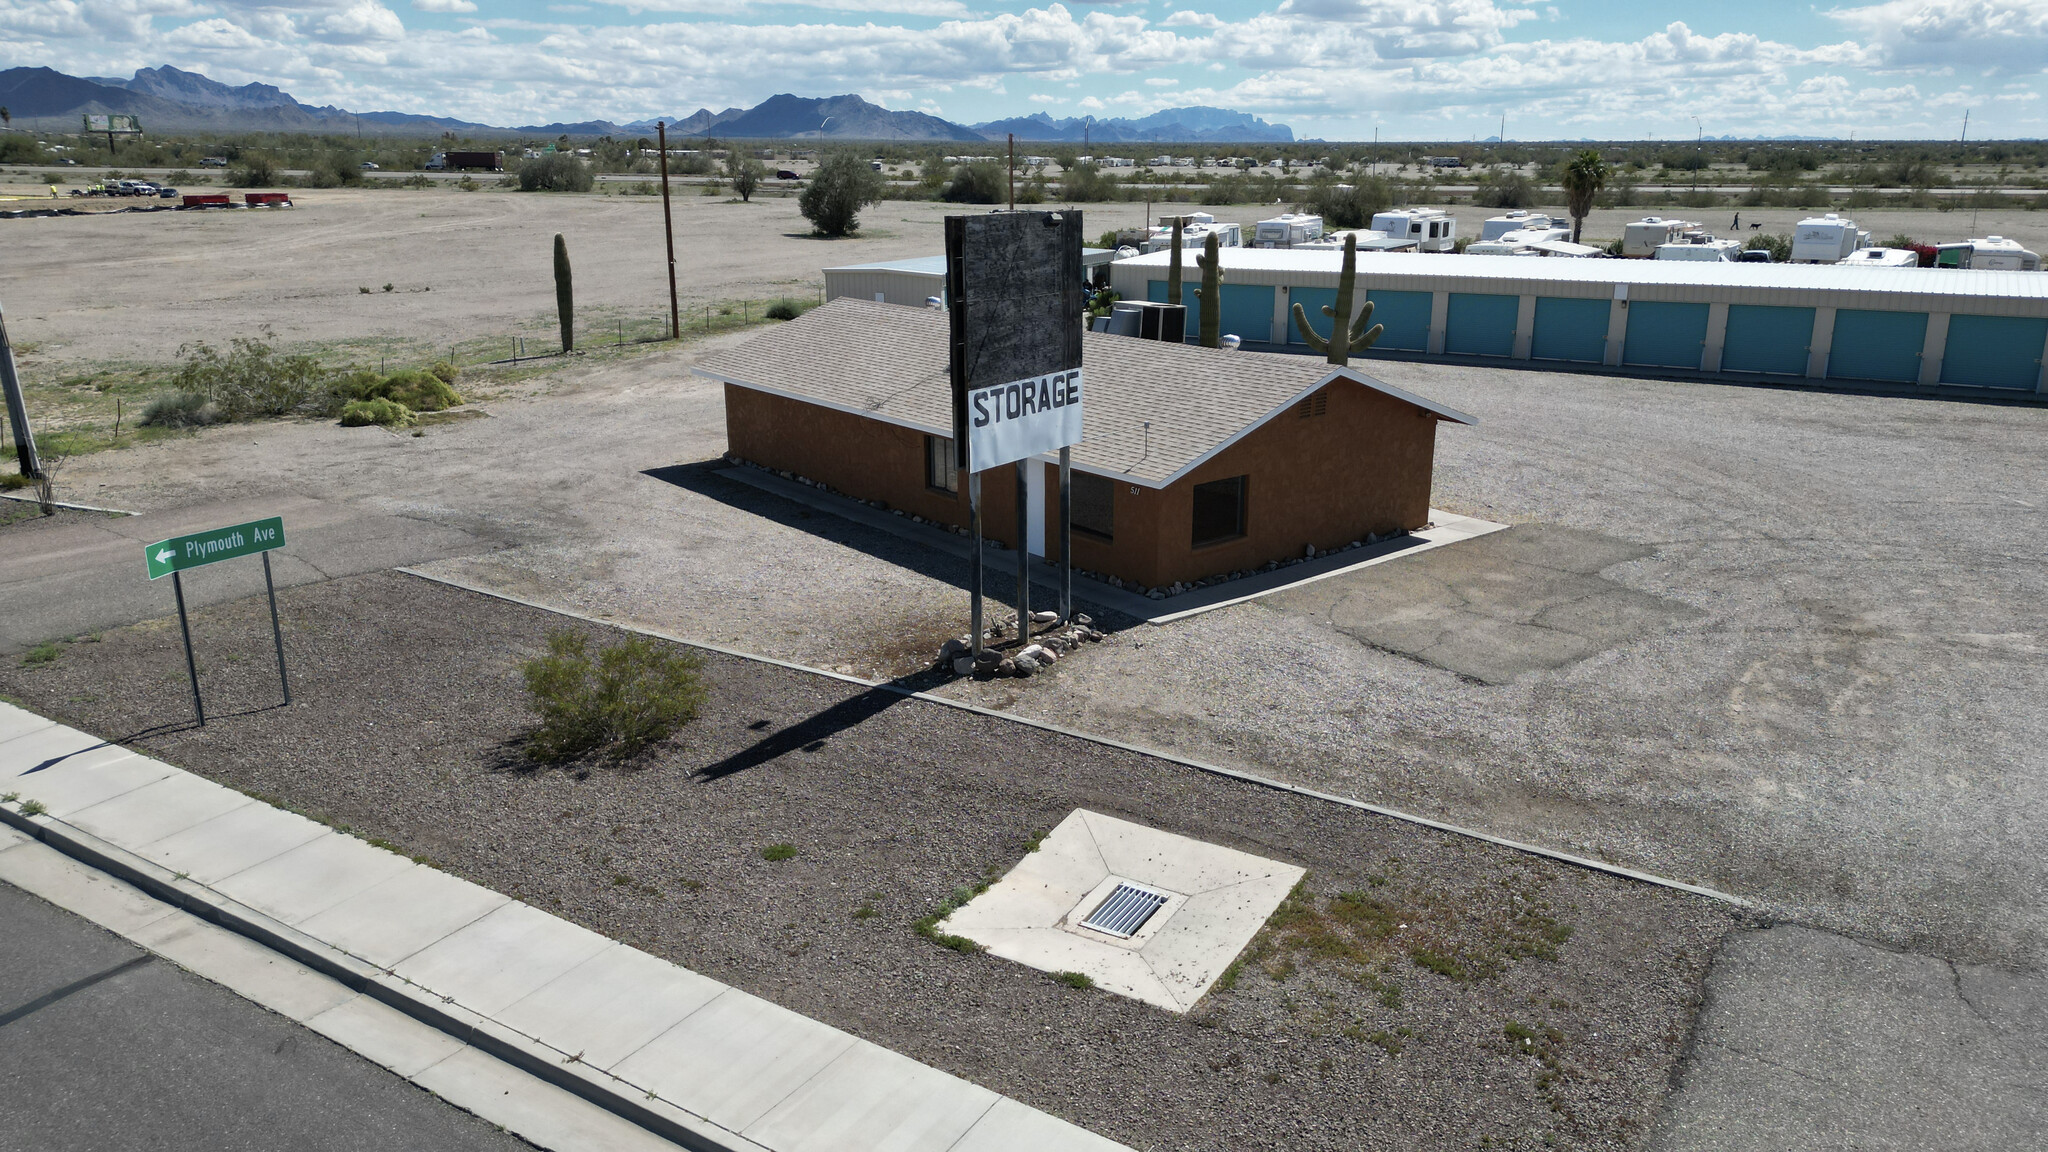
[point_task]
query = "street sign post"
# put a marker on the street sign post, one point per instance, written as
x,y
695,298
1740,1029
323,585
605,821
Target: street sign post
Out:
x,y
1015,286
173,557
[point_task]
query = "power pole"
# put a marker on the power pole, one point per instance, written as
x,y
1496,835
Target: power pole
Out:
x,y
17,411
668,226
1013,171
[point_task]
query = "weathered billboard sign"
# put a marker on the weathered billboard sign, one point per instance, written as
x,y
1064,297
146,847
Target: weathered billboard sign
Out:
x,y
114,122
1014,280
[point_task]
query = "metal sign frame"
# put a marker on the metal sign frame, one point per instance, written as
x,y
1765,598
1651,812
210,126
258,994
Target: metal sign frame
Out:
x,y
1017,295
176,555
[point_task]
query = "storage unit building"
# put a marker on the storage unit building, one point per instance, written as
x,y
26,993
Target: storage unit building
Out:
x,y
1194,462
1914,326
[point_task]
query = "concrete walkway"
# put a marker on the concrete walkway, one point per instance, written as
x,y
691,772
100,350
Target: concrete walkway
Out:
x,y
688,1058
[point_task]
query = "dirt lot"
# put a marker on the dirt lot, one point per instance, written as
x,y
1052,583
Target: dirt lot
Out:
x,y
1461,996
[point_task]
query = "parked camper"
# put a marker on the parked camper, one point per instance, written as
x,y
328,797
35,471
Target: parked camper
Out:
x,y
1199,227
1520,220
1520,242
1702,247
1432,229
1287,230
1993,252
1826,239
1641,239
1334,241
1883,258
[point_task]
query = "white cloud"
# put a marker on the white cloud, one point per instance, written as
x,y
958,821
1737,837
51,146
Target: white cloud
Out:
x,y
1161,81
1973,34
362,21
1187,19
445,5
726,7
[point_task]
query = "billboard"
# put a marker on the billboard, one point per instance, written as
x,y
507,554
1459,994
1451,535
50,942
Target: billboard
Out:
x,y
112,122
1014,279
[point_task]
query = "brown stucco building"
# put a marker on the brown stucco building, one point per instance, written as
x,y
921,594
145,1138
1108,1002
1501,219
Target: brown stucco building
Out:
x,y
1195,461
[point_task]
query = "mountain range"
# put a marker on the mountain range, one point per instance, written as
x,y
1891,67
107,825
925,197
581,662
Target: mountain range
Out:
x,y
171,99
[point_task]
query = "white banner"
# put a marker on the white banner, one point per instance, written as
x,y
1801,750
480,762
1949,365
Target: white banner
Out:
x,y
1021,419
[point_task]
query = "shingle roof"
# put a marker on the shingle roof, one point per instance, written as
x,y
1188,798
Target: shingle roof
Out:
x,y
888,362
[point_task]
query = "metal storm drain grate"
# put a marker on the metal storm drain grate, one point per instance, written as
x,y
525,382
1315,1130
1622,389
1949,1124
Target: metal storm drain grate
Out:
x,y
1126,910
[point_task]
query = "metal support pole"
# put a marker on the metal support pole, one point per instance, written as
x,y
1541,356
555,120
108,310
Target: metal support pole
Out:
x,y
975,581
668,227
276,632
1066,535
25,456
1023,553
191,666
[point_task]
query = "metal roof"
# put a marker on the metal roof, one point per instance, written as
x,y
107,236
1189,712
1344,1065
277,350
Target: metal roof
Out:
x,y
1282,265
936,265
889,362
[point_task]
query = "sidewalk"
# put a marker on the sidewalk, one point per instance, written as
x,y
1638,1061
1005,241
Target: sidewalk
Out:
x,y
683,1056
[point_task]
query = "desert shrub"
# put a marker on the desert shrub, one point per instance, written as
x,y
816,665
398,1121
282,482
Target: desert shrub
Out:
x,y
784,310
838,190
446,371
1347,207
250,379
1901,240
253,170
410,388
178,176
633,694
179,410
21,149
1506,190
1780,247
378,410
1085,184
555,172
981,183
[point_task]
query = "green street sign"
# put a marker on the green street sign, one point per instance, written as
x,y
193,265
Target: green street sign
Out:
x,y
211,547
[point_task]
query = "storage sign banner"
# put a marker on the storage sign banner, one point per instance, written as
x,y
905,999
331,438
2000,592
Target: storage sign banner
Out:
x,y
1014,282
211,547
1024,418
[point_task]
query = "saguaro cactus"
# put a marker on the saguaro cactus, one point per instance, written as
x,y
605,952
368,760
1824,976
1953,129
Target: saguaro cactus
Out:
x,y
1344,338
1173,264
1211,293
565,295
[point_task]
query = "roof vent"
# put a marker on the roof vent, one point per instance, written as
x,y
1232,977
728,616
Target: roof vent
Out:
x,y
1125,910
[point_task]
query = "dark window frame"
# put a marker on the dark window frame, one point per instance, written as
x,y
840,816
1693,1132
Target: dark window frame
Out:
x,y
941,477
1243,520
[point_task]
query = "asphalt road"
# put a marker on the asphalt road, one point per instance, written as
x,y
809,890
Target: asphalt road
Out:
x,y
105,1047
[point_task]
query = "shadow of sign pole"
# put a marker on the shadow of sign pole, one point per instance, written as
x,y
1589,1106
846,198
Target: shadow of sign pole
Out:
x,y
1014,289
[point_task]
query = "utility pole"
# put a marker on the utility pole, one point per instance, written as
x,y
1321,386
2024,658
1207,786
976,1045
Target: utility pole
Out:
x,y
1013,171
668,226
1966,127
1699,151
17,411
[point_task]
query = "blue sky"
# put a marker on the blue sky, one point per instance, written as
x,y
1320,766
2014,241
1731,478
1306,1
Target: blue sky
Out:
x,y
1413,69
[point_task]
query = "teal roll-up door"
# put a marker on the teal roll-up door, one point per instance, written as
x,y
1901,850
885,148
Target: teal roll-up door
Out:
x,y
1312,301
1994,351
1406,317
1877,345
1766,339
1248,312
1481,324
1570,330
1665,334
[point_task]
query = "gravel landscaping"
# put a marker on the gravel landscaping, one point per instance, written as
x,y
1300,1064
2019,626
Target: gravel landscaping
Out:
x,y
1418,991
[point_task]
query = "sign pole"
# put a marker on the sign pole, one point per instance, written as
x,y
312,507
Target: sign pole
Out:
x,y
1024,553
17,410
668,227
1066,535
191,666
276,633
975,582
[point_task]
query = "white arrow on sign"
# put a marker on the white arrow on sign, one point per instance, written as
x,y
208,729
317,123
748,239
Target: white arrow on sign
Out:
x,y
165,556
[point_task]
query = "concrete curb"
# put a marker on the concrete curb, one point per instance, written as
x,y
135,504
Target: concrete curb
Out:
x,y
1108,742
493,1039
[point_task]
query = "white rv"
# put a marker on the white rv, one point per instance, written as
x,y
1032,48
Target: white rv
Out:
x,y
1288,230
1826,239
1432,229
1520,220
1518,243
1641,239
1883,258
1701,247
1993,252
1334,241
1199,227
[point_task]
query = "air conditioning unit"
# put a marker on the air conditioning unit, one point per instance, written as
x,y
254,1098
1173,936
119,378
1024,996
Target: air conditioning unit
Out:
x,y
1149,321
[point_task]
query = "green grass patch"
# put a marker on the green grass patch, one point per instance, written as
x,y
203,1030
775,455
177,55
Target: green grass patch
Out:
x,y
928,927
42,653
774,852
1080,980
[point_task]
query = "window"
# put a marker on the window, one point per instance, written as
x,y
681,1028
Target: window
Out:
x,y
1094,506
940,474
1219,510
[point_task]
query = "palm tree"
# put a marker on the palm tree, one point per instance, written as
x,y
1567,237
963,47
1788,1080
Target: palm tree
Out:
x,y
1584,176
6,117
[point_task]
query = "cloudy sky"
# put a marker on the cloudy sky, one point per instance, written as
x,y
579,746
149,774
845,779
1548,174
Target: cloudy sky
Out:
x,y
1413,69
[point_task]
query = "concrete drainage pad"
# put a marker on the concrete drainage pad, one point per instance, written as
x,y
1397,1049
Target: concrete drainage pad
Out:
x,y
1196,905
